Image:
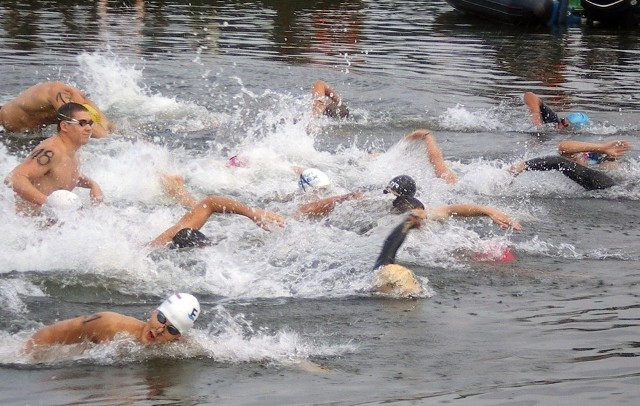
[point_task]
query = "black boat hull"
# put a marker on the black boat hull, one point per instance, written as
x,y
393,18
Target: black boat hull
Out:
x,y
612,12
509,11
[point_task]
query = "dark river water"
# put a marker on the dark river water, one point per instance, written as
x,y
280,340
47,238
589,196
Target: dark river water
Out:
x,y
288,317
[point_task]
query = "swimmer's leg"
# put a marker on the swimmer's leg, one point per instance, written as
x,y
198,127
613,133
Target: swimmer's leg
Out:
x,y
588,178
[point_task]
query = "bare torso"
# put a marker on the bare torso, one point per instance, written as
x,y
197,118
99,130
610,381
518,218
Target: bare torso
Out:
x,y
63,175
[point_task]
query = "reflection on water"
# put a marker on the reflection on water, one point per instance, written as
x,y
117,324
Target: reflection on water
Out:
x,y
569,66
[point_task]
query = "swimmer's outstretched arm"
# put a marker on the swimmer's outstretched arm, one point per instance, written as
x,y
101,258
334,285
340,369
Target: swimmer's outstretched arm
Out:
x,y
199,215
613,149
434,154
472,210
324,206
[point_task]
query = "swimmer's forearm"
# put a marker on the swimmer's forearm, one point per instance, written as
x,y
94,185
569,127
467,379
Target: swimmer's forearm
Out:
x,y
532,101
86,182
569,147
217,204
468,210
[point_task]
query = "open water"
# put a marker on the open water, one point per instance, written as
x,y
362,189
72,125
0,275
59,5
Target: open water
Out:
x,y
288,316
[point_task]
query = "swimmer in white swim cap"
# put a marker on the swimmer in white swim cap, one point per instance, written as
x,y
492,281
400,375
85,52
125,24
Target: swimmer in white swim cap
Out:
x,y
170,321
181,310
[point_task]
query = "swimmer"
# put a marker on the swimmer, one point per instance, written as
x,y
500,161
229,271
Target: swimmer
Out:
x,y
185,233
37,107
326,101
396,280
54,163
576,161
403,187
314,181
187,228
593,153
169,322
542,114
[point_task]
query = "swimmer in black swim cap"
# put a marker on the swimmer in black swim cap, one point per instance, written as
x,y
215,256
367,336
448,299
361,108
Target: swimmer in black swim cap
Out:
x,y
185,232
403,187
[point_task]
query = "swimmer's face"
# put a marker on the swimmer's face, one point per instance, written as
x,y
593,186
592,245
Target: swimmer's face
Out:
x,y
156,332
564,123
80,126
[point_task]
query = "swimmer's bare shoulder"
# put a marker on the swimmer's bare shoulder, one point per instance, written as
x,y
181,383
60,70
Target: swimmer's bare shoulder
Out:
x,y
97,327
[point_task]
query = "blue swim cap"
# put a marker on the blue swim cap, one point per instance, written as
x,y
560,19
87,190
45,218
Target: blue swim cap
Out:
x,y
578,120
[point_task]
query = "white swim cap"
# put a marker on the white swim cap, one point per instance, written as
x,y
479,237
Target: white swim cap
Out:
x,y
313,178
63,201
182,310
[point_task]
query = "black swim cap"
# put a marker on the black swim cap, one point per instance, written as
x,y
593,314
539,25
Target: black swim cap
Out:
x,y
406,203
402,185
188,238
336,110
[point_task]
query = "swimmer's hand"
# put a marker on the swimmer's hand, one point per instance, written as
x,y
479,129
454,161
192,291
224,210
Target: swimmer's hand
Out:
x,y
449,176
503,220
96,195
266,219
517,168
616,148
417,217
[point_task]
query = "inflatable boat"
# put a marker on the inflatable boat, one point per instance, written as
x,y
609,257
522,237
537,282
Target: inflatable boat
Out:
x,y
532,12
612,12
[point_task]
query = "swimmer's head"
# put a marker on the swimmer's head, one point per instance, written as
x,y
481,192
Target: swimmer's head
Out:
x,y
68,110
578,120
95,116
313,178
336,110
238,161
396,280
189,238
407,203
181,310
402,185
